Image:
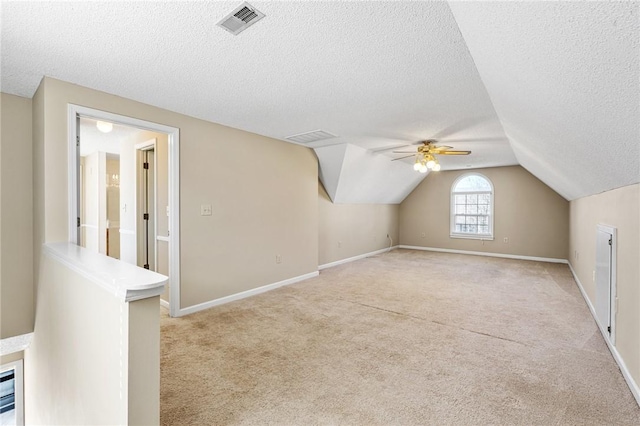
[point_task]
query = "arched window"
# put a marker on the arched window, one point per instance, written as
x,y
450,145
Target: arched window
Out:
x,y
472,207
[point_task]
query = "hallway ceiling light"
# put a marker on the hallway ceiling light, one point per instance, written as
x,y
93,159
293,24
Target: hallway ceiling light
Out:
x,y
104,126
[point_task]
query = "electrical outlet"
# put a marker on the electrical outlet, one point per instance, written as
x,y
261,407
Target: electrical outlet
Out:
x,y
594,276
278,258
505,240
205,210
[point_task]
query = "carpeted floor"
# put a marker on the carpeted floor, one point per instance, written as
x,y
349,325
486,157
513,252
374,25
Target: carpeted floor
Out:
x,y
403,338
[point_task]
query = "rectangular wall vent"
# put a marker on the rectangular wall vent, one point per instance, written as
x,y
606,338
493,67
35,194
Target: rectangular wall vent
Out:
x,y
241,18
313,136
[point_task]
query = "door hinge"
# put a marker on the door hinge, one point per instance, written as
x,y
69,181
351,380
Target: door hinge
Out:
x,y
146,266
145,216
610,241
146,166
77,140
609,329
78,223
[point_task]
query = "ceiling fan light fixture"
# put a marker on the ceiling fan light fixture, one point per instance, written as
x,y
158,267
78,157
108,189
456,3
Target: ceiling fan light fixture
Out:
x,y
423,168
436,168
431,163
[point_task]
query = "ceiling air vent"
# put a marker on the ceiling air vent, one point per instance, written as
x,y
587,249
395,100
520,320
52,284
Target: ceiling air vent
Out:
x,y
308,137
241,18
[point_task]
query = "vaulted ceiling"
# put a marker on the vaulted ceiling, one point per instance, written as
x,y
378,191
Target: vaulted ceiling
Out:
x,y
553,86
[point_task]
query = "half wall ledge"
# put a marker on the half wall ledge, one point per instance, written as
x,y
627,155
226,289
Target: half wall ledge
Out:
x,y
126,281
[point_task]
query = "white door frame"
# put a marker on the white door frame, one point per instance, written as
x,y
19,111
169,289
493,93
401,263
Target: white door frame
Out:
x,y
613,295
75,111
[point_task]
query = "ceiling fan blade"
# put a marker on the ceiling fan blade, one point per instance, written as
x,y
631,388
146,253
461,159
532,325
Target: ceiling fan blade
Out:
x,y
404,152
441,148
454,153
406,156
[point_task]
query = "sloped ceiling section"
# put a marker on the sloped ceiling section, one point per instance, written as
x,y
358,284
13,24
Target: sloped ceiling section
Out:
x,y
564,80
364,177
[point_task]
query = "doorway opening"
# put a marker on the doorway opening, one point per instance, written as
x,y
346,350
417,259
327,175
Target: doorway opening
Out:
x,y
146,194
124,192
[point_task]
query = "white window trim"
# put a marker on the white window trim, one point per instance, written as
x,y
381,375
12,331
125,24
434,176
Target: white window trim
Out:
x,y
19,388
452,233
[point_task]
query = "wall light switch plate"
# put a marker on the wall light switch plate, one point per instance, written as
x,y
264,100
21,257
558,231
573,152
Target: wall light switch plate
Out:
x,y
205,210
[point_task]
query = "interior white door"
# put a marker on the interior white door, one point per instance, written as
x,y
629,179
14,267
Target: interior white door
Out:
x,y
603,279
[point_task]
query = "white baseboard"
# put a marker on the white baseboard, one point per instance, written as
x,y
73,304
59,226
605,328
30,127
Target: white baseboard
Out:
x,y
635,390
482,253
245,294
164,303
358,257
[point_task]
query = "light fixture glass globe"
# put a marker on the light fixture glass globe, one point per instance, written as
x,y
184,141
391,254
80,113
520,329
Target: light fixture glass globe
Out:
x,y
423,169
104,126
417,166
430,164
436,168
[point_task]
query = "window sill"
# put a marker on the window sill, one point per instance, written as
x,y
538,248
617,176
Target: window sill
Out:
x,y
472,237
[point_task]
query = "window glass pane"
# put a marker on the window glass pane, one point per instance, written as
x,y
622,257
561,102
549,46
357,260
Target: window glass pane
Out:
x,y
471,212
472,183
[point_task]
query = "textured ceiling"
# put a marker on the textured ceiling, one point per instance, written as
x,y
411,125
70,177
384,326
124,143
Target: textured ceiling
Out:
x,y
564,79
377,74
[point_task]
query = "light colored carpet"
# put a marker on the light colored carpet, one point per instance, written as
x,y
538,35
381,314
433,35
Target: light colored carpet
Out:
x,y
403,338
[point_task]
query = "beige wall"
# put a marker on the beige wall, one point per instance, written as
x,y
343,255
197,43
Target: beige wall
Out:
x,y
619,208
16,227
531,215
347,230
258,212
92,354
144,363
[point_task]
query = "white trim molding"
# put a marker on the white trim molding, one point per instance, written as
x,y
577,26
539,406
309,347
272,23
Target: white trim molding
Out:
x,y
11,345
245,294
633,386
164,303
163,238
351,259
119,278
488,254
